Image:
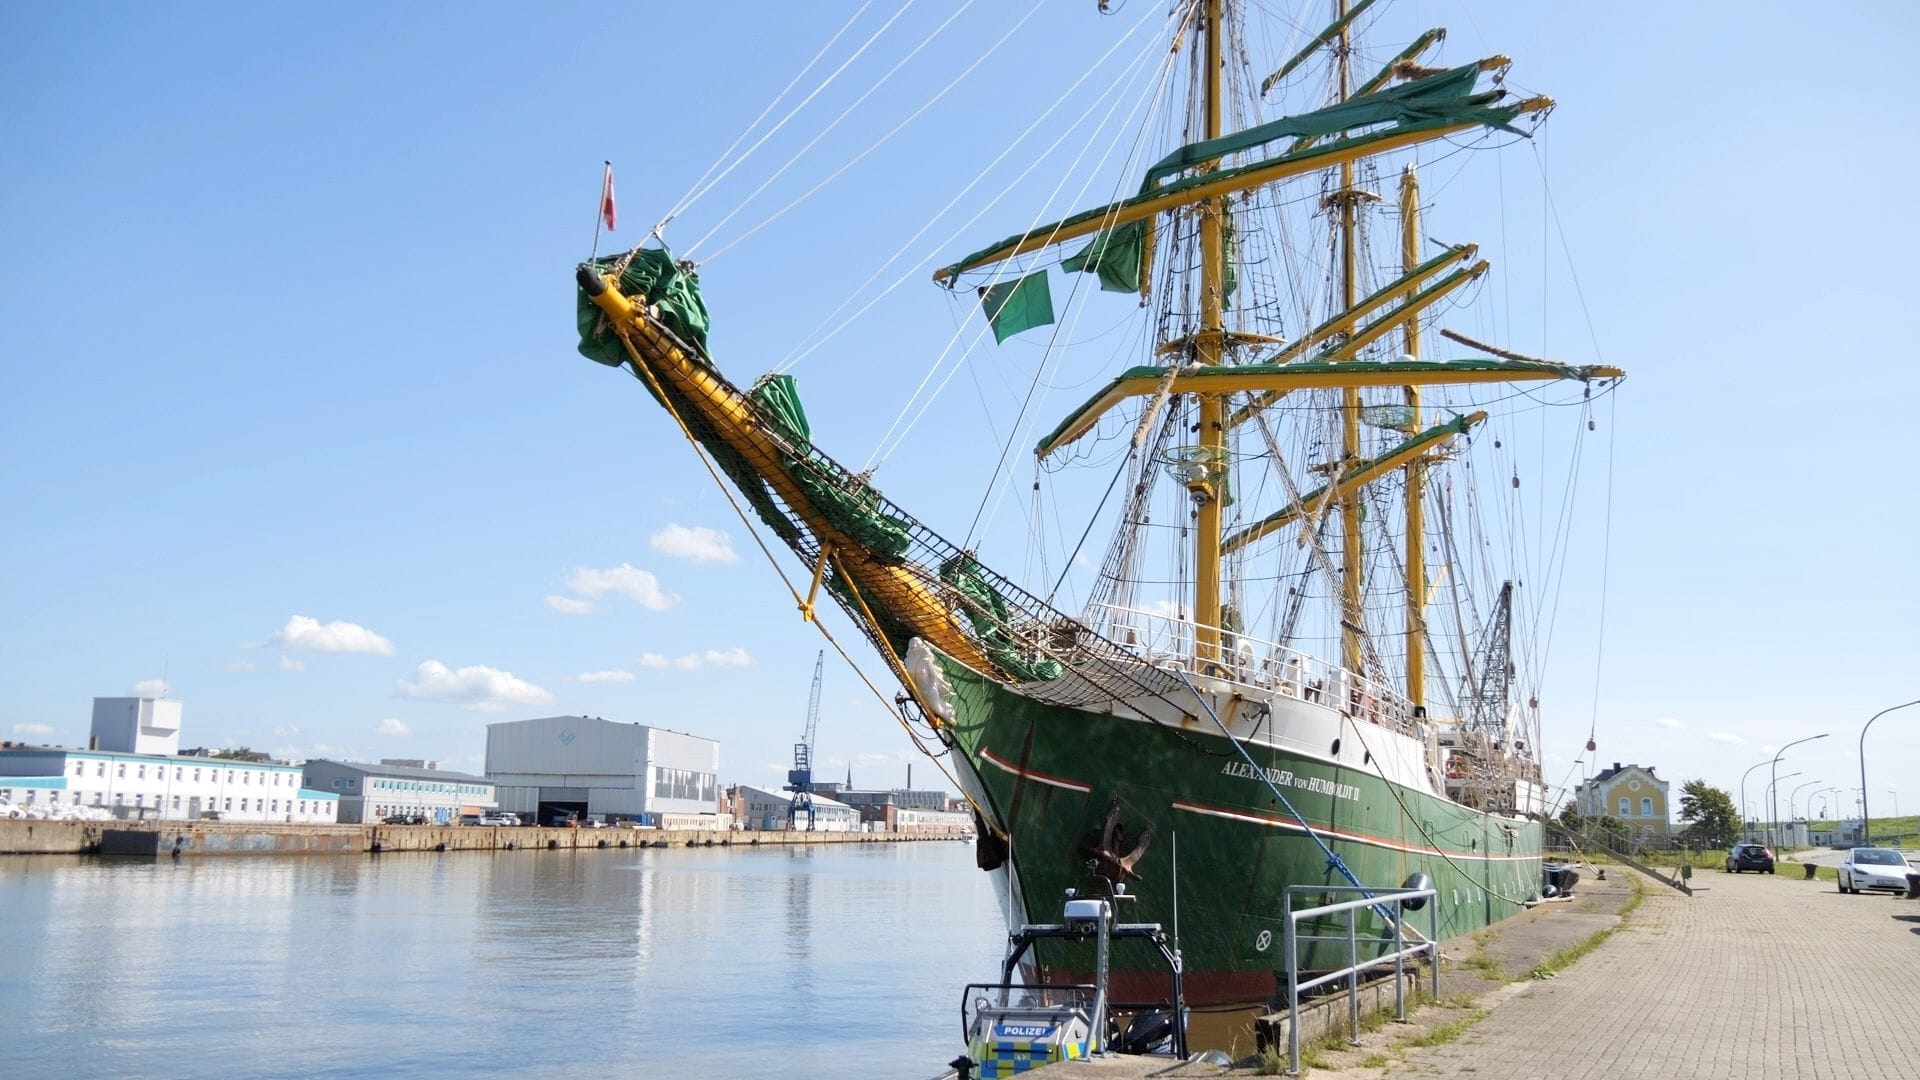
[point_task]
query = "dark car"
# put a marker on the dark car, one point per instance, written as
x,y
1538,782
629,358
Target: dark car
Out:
x,y
1749,857
404,819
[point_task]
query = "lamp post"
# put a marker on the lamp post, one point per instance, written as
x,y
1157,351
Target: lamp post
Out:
x,y
1776,770
1773,798
1791,816
1896,801
1743,797
1866,831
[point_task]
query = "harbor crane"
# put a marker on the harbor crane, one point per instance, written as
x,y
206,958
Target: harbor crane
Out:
x,y
800,777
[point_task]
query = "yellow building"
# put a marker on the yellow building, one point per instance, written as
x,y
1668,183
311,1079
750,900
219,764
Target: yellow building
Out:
x,y
1630,793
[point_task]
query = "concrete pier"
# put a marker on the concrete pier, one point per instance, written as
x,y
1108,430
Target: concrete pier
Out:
x,y
194,838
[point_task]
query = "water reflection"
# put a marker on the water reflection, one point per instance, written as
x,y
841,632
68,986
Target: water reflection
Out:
x,y
842,961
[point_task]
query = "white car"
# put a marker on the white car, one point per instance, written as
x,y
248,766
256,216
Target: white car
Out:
x,y
1874,868
8,810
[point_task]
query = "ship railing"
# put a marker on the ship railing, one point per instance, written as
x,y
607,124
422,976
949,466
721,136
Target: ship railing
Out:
x,y
1394,904
1166,641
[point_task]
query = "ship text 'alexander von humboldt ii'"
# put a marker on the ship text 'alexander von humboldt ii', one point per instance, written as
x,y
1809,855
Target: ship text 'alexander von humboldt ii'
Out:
x,y
1300,661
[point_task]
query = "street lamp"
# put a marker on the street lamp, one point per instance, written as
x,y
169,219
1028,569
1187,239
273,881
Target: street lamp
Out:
x,y
1796,794
1773,796
1896,800
1743,797
1866,831
1776,770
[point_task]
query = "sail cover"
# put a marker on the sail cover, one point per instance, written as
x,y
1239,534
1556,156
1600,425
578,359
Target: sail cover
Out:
x,y
651,277
1446,97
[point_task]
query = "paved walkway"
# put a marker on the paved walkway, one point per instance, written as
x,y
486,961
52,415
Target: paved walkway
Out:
x,y
1755,976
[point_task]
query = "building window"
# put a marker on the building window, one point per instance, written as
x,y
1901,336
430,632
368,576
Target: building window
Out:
x,y
120,798
179,773
79,768
100,768
229,804
1646,807
229,776
123,770
142,774
1626,807
196,776
176,802
246,777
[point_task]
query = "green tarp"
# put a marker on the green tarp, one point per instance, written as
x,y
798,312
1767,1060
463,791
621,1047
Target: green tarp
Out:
x,y
846,502
1115,255
1446,96
653,276
987,611
1013,306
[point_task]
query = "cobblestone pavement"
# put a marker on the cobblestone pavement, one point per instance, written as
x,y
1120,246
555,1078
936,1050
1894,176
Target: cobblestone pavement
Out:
x,y
1754,976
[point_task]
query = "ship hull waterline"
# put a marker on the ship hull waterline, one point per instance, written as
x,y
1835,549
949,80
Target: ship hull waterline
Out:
x,y
1046,776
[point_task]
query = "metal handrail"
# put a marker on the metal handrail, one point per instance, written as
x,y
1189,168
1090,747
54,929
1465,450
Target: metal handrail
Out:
x,y
1351,973
1163,640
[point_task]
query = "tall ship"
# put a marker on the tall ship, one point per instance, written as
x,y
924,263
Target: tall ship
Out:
x,y
1304,654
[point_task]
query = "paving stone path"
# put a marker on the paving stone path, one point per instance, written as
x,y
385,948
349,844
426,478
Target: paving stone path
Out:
x,y
1754,976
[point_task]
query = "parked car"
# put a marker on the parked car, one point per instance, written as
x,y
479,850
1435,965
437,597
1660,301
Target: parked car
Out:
x,y
593,821
404,819
8,810
1745,857
1874,868
500,819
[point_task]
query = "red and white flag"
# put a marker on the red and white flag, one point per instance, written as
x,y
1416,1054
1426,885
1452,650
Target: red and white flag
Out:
x,y
606,198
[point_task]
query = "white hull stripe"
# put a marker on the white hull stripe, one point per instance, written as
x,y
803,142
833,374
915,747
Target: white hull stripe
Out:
x,y
1037,777
1372,841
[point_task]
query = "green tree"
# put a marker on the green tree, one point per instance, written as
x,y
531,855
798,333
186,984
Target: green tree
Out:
x,y
1709,814
1570,817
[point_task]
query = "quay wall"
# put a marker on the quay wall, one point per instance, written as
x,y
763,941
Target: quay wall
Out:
x,y
23,837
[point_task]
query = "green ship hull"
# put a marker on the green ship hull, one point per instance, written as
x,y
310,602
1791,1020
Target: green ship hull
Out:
x,y
1223,848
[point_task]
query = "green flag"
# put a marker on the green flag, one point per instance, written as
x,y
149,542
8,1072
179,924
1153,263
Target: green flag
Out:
x,y
1013,306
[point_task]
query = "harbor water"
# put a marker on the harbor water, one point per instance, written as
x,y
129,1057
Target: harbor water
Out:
x,y
843,961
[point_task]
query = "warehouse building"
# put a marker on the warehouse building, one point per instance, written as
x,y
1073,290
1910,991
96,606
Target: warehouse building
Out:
x,y
373,792
557,766
758,809
132,769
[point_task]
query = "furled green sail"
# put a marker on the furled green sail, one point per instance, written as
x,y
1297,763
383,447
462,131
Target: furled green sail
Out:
x,y
653,278
1115,255
1447,96
1013,306
987,611
848,503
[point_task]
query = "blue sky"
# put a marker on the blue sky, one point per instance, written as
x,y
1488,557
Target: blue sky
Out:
x,y
294,421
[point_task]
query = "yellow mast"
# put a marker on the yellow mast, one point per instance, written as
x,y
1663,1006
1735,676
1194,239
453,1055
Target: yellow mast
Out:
x,y
1211,493
1352,552
1417,468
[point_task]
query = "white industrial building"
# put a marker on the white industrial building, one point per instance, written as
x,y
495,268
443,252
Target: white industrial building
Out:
x,y
372,792
131,768
559,765
758,809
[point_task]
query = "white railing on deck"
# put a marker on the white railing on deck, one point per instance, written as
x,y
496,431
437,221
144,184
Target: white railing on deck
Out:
x,y
1166,642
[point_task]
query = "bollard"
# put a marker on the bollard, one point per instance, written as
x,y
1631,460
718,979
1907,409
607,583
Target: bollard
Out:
x,y
1812,870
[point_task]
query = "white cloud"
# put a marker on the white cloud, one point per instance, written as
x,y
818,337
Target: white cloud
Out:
x,y
390,726
308,633
478,687
613,676
288,663
1669,723
567,605
41,730
735,657
627,580
152,688
287,731
1727,737
241,665
699,543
